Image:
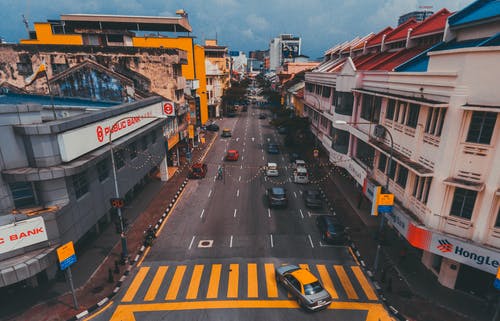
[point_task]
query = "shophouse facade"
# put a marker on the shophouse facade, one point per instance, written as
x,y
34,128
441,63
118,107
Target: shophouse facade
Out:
x,y
217,66
431,86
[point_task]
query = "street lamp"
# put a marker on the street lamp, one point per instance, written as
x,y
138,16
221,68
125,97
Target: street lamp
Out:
x,y
380,131
123,237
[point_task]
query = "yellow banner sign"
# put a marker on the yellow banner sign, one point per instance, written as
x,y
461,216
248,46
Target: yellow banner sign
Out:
x,y
191,131
386,199
65,251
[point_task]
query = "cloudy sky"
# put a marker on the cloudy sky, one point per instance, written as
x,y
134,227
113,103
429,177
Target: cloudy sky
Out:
x,y
239,24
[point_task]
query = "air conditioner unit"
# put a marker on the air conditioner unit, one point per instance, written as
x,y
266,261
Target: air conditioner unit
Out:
x,y
379,131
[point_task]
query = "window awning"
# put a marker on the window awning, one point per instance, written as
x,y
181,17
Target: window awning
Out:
x,y
457,182
401,159
493,109
413,100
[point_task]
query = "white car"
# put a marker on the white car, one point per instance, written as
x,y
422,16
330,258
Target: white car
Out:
x,y
272,169
300,175
298,163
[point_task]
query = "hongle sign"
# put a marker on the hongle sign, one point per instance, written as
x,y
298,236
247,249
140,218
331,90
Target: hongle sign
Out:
x,y
21,234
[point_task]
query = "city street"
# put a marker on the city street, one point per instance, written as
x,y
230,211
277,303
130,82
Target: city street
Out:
x,y
215,255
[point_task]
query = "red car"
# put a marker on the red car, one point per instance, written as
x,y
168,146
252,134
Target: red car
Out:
x,y
232,155
198,170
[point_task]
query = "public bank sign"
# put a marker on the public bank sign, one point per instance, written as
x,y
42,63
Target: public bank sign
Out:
x,y
21,234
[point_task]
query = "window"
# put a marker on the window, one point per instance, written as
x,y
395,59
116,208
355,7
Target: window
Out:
x,y
413,116
343,102
497,222
324,122
389,112
340,140
133,150
115,38
365,153
382,162
481,127
463,203
402,176
421,188
119,159
435,121
326,92
366,107
392,170
144,142
103,169
80,184
23,194
309,87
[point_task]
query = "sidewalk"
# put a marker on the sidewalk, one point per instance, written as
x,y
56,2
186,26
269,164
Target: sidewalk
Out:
x,y
403,280
95,266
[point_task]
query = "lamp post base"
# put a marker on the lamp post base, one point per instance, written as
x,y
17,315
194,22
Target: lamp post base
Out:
x,y
124,258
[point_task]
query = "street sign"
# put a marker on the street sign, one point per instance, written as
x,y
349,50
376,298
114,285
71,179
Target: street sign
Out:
x,y
168,109
384,209
191,131
386,199
66,255
376,192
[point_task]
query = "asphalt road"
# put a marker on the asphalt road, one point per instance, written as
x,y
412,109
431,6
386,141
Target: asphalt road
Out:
x,y
214,258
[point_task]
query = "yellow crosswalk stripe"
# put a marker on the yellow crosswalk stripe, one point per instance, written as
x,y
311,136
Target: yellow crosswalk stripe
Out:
x,y
194,285
346,283
175,283
232,286
272,287
213,284
136,283
327,280
370,294
155,284
252,284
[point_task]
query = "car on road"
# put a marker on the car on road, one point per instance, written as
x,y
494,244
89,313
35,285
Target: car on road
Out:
x,y
213,127
273,148
272,169
313,198
262,116
232,155
300,175
331,229
276,197
226,132
304,287
298,163
198,170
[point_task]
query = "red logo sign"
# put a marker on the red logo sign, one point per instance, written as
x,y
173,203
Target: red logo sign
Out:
x,y
100,134
168,109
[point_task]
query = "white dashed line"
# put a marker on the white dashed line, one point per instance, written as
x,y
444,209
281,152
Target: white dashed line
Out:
x,y
295,194
310,240
241,166
209,193
234,214
309,213
268,212
239,179
301,214
262,157
231,242
272,243
203,211
238,192
192,240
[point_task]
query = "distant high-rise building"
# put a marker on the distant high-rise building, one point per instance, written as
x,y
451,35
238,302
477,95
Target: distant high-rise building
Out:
x,y
284,48
258,54
418,15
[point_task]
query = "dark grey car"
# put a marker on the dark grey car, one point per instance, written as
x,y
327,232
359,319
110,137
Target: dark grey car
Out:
x,y
276,197
313,198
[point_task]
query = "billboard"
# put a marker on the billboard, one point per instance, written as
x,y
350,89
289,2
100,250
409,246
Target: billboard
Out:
x,y
290,49
21,234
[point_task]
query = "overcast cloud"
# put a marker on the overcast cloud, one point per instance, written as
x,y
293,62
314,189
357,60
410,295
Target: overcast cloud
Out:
x,y
239,24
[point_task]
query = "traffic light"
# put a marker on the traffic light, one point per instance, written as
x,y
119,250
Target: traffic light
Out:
x,y
282,101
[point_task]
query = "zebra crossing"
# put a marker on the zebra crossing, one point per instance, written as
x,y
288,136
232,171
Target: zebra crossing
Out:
x,y
239,281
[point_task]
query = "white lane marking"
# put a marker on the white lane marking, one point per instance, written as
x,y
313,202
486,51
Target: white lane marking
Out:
x,y
253,139
209,193
215,177
269,212
262,157
192,240
237,138
238,193
282,158
241,166
231,242
222,157
329,245
243,148
234,214
289,179
239,179
310,240
301,214
265,178
309,213
295,194
244,145
272,242
242,157
203,211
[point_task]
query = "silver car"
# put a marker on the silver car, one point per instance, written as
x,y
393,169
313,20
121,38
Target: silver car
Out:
x,y
304,286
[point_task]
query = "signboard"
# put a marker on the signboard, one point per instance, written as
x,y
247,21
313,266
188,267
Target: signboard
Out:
x,y
66,255
191,131
21,234
496,283
376,193
79,141
386,199
290,49
168,109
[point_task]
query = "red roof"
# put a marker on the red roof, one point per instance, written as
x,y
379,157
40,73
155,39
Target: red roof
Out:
x,y
375,60
401,31
362,59
395,60
377,39
332,68
433,24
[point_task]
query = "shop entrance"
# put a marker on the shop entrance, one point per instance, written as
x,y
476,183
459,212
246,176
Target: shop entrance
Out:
x,y
474,281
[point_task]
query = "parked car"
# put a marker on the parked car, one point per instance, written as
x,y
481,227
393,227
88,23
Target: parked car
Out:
x,y
262,116
198,170
213,127
226,132
276,197
272,169
298,163
232,155
273,148
332,231
304,286
313,198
